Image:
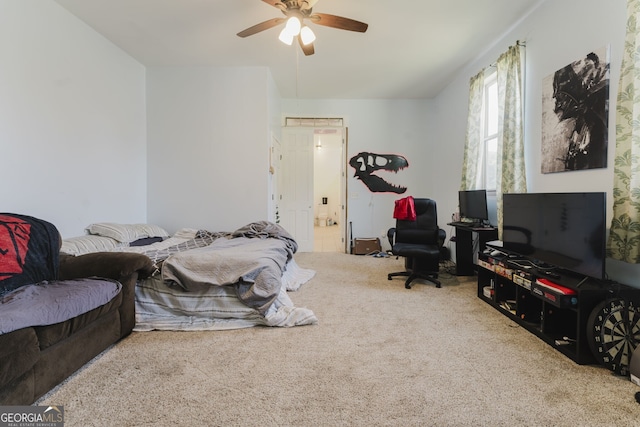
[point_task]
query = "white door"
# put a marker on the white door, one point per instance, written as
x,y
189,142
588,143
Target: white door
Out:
x,y
297,186
275,179
343,191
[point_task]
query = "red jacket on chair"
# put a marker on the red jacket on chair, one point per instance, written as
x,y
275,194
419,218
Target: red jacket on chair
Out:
x,y
405,209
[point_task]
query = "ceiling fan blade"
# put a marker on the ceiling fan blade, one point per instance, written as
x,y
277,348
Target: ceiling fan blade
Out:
x,y
308,49
261,27
338,22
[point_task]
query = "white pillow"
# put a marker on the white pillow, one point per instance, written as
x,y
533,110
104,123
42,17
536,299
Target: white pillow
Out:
x,y
186,233
87,244
126,233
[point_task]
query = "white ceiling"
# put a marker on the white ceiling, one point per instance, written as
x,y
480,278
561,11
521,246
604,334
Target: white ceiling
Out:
x,y
412,49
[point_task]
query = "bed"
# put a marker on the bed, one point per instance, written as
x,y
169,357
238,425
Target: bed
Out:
x,y
206,280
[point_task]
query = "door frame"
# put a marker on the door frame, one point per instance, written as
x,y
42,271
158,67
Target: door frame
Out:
x,y
344,229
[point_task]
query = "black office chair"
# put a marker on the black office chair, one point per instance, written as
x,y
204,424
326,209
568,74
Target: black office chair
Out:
x,y
420,242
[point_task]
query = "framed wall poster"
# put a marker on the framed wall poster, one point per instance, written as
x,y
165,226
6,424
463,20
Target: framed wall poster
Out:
x,y
575,115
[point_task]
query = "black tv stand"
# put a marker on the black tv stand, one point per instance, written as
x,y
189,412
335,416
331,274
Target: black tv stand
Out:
x,y
550,274
584,279
560,320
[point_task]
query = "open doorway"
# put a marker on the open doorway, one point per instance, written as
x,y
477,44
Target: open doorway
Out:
x,y
301,208
328,190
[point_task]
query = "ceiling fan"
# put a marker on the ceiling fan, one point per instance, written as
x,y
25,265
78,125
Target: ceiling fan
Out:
x,y
296,12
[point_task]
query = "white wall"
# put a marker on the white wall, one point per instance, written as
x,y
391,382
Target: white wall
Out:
x,y
73,114
72,120
556,33
208,141
402,127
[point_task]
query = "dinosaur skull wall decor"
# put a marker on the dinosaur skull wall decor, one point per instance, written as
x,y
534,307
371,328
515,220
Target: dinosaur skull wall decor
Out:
x,y
367,164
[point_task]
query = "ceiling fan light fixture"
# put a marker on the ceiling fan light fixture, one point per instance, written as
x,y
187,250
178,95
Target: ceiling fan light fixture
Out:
x,y
293,26
285,37
297,12
307,35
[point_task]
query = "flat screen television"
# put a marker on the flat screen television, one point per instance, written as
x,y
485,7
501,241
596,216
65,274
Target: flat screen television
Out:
x,y
473,205
565,230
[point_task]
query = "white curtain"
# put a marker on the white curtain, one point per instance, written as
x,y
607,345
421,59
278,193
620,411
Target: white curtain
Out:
x,y
624,236
511,176
474,139
511,173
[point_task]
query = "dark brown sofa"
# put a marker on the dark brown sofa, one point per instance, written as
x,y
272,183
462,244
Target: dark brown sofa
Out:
x,y
35,359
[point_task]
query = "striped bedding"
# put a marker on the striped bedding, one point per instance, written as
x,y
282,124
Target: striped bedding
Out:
x,y
161,307
164,306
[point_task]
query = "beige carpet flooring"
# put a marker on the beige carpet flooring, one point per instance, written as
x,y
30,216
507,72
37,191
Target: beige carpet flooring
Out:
x,y
381,355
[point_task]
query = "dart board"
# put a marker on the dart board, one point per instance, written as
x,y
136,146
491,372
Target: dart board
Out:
x,y
613,332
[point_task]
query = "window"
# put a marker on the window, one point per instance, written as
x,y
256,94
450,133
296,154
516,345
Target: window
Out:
x,y
494,143
488,166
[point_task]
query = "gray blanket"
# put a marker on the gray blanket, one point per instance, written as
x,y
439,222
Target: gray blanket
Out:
x,y
48,303
252,264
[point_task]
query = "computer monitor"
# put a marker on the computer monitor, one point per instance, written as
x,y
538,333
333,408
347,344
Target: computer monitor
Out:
x,y
473,205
